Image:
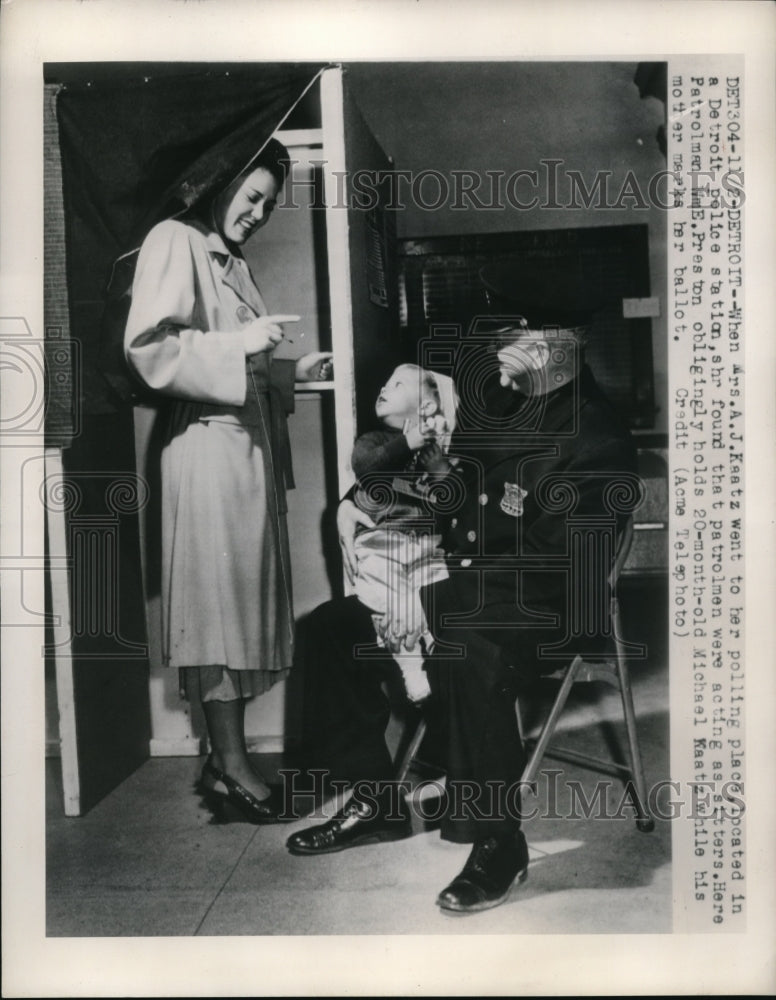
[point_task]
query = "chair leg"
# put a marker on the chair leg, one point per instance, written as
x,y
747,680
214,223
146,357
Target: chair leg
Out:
x,y
644,821
411,751
548,730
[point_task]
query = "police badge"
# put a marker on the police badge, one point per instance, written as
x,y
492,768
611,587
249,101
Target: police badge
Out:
x,y
512,501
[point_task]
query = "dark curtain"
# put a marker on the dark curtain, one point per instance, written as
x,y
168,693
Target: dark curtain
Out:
x,y
139,146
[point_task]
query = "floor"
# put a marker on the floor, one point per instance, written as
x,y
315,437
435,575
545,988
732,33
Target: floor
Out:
x,y
150,861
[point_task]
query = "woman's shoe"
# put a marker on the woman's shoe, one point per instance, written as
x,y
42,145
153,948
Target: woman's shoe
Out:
x,y
269,810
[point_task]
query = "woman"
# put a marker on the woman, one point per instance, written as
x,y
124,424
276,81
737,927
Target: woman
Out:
x,y
198,331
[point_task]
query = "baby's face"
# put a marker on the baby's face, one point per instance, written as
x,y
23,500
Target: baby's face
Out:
x,y
400,398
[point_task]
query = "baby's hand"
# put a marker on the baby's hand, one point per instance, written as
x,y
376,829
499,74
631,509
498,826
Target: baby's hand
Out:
x,y
428,429
434,425
415,436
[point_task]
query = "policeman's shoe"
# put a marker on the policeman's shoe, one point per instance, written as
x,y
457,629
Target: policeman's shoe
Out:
x,y
492,868
356,824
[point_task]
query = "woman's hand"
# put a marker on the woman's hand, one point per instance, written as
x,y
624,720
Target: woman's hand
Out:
x,y
313,367
348,517
264,333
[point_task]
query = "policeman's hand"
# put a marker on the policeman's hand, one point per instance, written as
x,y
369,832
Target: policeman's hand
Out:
x,y
348,517
394,635
381,624
264,333
434,459
411,639
403,622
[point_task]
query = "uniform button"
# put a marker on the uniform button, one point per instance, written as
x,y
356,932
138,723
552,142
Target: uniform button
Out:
x,y
454,523
483,499
472,536
466,562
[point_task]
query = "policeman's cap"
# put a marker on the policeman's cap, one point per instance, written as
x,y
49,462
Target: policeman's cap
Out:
x,y
539,298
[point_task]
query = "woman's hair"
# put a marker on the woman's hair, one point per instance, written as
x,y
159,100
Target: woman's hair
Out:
x,y
273,158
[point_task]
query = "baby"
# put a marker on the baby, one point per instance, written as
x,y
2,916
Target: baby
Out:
x,y
393,470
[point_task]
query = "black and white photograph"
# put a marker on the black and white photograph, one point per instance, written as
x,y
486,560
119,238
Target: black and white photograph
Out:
x,y
379,504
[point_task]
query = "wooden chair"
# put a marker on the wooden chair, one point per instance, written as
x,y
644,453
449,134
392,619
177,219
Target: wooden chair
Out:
x,y
613,672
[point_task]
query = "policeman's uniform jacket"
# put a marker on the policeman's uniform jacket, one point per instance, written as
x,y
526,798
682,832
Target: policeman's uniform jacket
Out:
x,y
531,513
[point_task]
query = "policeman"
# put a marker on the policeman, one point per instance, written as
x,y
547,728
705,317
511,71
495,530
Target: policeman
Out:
x,y
541,468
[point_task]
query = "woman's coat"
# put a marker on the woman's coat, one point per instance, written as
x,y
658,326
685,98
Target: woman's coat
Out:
x,y
226,580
